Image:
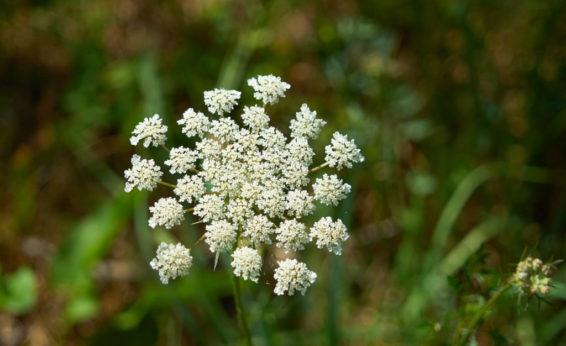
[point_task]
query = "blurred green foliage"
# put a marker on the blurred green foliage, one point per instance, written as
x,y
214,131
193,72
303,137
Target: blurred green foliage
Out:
x,y
459,108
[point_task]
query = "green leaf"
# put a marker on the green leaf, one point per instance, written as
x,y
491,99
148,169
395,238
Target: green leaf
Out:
x,y
81,308
19,291
216,259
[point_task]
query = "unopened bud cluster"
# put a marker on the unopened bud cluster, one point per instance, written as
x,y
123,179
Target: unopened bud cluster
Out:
x,y
532,276
250,184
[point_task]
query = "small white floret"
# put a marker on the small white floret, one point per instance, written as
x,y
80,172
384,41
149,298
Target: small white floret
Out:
x,y
293,276
329,234
144,174
246,263
171,261
151,131
255,118
181,160
221,101
259,230
268,89
306,124
300,151
342,152
330,189
189,188
299,203
225,129
292,235
220,235
194,123
210,207
166,212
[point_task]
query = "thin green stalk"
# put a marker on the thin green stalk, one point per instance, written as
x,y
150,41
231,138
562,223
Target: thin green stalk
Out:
x,y
318,167
241,312
470,327
238,300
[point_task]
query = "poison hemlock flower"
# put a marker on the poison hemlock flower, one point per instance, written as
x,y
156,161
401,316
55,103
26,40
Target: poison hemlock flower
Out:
x,y
268,89
194,123
220,235
248,182
532,277
151,131
255,118
342,152
144,174
220,101
171,261
259,230
306,124
181,160
329,234
167,212
189,188
330,189
293,276
246,263
292,235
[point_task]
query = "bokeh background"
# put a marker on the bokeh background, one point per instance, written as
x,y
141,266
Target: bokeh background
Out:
x,y
458,106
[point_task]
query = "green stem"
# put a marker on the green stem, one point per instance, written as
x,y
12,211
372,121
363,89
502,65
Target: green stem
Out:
x,y
241,312
167,184
238,300
318,167
470,327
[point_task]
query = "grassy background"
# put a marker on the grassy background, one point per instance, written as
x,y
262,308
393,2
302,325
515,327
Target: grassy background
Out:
x,y
458,106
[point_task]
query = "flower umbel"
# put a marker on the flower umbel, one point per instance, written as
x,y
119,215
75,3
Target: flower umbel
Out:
x,y
171,261
292,276
532,276
249,183
151,131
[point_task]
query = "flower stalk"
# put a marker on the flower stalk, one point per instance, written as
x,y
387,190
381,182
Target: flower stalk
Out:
x,y
470,327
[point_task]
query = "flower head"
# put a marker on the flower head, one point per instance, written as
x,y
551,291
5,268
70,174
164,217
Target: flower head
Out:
x,y
255,118
151,130
329,234
292,276
532,276
246,263
299,203
259,230
171,261
220,101
189,188
181,160
144,174
166,212
268,89
194,123
210,207
220,235
306,124
330,189
342,152
242,181
292,235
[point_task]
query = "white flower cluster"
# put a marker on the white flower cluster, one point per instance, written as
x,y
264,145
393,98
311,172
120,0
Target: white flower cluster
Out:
x,y
246,263
268,89
151,130
144,174
248,182
171,261
292,276
532,276
166,212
